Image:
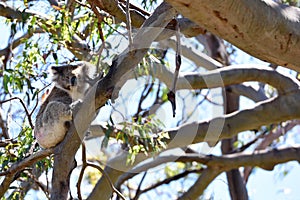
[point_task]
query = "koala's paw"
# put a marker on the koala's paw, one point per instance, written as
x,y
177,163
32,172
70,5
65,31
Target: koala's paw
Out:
x,y
67,114
76,105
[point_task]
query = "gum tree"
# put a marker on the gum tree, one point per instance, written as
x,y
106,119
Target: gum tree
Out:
x,y
178,53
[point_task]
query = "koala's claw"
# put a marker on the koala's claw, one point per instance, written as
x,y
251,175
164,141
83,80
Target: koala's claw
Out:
x,y
76,105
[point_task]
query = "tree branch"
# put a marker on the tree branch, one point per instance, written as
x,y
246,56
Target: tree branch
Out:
x,y
242,73
19,166
269,31
24,106
187,27
287,108
64,162
249,92
268,139
18,41
125,62
97,97
264,159
9,12
78,47
168,180
229,76
4,132
206,177
115,9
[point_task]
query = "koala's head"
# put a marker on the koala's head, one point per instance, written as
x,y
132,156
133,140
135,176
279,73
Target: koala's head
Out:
x,y
74,79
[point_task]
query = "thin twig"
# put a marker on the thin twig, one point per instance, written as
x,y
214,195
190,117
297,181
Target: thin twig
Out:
x,y
171,94
37,98
168,180
146,91
38,183
144,12
84,165
178,57
24,106
128,23
138,190
82,4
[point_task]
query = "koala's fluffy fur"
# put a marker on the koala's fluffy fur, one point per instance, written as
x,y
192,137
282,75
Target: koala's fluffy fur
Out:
x,y
55,114
74,79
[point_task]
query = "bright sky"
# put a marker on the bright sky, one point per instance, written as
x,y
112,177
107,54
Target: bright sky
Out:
x,y
262,184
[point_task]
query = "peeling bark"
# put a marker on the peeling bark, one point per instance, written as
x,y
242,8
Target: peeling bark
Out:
x,y
263,28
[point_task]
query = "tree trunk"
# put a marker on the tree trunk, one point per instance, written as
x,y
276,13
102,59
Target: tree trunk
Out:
x,y
217,50
236,183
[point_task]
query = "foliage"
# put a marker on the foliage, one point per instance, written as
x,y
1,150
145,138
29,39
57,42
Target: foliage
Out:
x,y
139,122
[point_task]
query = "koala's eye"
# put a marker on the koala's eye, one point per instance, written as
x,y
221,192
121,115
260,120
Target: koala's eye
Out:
x,y
73,80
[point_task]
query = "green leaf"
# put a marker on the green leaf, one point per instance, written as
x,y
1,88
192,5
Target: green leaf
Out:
x,y
236,144
5,82
44,26
18,83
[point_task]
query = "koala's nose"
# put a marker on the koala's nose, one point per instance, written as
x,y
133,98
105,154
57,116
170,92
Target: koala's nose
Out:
x,y
73,81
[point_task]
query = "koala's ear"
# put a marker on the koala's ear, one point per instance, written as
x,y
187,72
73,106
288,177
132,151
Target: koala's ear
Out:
x,y
88,69
55,70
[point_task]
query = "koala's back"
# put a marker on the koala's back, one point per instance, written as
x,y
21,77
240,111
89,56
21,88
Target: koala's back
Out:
x,y
54,113
55,94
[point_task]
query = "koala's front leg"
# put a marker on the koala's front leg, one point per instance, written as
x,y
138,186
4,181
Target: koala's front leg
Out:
x,y
76,105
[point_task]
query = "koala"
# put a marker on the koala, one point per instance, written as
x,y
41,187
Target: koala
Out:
x,y
55,114
74,79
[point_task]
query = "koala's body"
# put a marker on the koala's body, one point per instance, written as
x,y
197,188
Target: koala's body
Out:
x,y
55,114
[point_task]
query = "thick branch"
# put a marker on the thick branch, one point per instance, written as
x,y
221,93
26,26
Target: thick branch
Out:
x,y
114,8
229,76
64,162
287,108
269,31
265,159
125,62
97,97
187,27
249,92
9,12
18,41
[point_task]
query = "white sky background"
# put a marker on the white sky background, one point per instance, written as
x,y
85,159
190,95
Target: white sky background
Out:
x,y
262,184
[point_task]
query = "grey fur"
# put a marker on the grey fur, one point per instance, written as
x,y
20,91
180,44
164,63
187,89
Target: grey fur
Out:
x,y
55,114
